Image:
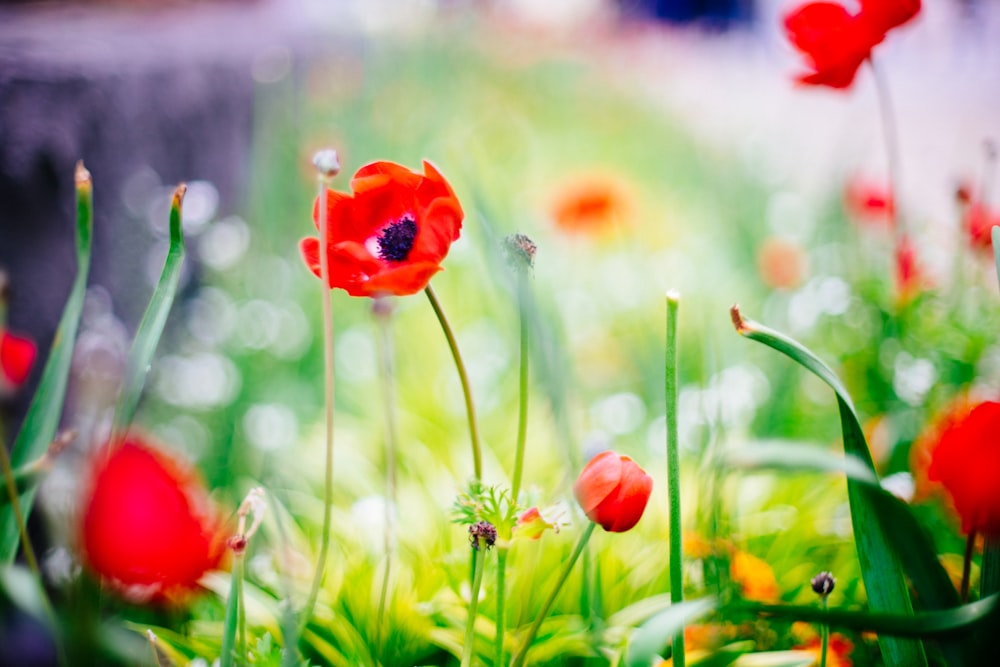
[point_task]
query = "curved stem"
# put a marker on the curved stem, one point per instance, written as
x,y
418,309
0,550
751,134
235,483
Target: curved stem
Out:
x,y
15,504
328,387
383,314
477,457
970,545
889,134
522,403
825,634
522,651
478,558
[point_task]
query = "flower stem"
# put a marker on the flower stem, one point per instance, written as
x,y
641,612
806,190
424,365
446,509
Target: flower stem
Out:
x,y
478,559
824,632
970,544
522,403
15,504
383,313
522,652
324,262
477,457
674,474
889,133
501,620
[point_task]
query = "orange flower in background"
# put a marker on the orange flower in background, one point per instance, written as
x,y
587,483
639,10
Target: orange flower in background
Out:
x,y
754,577
390,236
923,446
592,204
965,460
17,356
148,527
838,652
613,491
781,263
835,42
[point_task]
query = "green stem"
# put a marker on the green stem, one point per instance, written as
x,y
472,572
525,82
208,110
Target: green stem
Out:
x,y
989,576
383,314
522,651
478,559
501,620
477,457
674,474
522,403
889,133
970,544
824,631
241,617
328,387
15,504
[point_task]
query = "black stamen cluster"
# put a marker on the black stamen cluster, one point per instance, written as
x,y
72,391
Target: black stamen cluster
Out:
x,y
482,530
396,240
823,583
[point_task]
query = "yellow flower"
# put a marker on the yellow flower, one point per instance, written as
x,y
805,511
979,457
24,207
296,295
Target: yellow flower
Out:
x,y
754,577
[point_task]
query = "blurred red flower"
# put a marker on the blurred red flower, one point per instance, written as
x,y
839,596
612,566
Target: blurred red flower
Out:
x,y
781,263
868,202
838,652
965,460
910,278
613,491
391,235
17,355
978,222
592,203
835,42
148,526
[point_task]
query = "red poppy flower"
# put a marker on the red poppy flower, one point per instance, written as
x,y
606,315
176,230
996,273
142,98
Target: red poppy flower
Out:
x,y
884,15
834,42
148,527
17,355
910,278
391,235
966,461
613,491
979,222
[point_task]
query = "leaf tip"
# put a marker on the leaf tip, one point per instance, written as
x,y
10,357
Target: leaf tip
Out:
x,y
179,195
82,177
742,328
673,296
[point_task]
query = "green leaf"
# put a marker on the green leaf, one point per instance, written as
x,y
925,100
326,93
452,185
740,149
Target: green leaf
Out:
x,y
919,625
42,419
796,456
233,612
150,329
879,521
648,641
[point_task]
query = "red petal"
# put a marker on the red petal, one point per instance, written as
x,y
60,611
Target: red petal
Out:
x,y
17,355
598,479
622,509
884,15
404,279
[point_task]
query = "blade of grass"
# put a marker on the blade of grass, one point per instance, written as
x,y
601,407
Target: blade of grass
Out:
x,y
652,636
43,415
233,613
674,475
878,523
150,329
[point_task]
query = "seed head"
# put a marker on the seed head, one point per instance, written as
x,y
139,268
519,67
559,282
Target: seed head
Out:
x,y
482,530
823,583
520,251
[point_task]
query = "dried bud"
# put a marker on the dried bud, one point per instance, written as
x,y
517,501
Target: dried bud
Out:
x,y
519,251
238,544
327,163
482,530
823,583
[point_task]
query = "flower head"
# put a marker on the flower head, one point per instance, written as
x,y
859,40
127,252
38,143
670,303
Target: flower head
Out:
x,y
391,235
966,461
17,355
823,583
835,42
147,527
869,203
613,491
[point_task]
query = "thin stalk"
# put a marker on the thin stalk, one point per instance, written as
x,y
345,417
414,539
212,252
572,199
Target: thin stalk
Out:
x,y
477,457
501,619
890,135
824,631
970,544
522,403
324,262
383,315
989,577
152,647
15,504
241,617
674,474
522,651
478,560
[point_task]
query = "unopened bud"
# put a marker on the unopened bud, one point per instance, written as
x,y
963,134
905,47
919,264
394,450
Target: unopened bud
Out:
x,y
823,583
327,163
482,530
520,251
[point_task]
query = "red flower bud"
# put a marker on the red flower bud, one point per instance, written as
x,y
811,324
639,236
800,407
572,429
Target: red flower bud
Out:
x,y
148,527
17,354
613,491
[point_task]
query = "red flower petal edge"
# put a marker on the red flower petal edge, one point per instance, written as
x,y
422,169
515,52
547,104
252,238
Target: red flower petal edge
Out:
x,y
148,527
390,236
17,355
613,491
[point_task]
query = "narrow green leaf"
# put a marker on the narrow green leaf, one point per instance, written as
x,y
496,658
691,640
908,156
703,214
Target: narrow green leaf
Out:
x,y
155,318
776,659
650,638
42,419
878,522
919,625
233,611
795,456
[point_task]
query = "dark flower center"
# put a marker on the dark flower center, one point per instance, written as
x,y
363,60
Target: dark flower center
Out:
x,y
396,240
